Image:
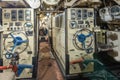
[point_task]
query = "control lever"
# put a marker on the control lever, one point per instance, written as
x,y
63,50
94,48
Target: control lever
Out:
x,y
15,66
83,63
79,61
17,41
86,62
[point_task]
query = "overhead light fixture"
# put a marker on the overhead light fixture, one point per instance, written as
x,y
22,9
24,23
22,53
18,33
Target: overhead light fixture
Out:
x,y
51,2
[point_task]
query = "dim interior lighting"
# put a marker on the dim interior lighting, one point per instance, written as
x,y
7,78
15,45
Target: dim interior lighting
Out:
x,y
47,14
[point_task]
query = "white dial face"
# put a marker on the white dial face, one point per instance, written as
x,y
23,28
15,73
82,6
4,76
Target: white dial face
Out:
x,y
28,26
115,10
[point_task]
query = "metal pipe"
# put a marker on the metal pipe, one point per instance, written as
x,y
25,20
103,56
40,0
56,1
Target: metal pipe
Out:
x,y
6,67
50,11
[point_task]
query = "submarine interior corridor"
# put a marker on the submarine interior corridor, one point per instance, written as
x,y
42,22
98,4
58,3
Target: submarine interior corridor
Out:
x,y
59,39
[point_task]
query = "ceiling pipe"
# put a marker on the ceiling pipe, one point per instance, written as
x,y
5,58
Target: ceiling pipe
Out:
x,y
24,3
61,3
70,3
33,3
117,1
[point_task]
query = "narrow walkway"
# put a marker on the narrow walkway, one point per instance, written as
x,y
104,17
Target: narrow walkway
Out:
x,y
47,66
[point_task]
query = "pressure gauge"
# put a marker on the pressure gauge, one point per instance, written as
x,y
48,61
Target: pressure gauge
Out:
x,y
73,24
115,10
6,15
28,26
8,55
90,14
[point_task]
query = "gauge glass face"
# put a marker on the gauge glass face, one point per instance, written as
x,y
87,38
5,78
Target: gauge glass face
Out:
x,y
28,26
6,15
90,14
115,10
73,24
8,55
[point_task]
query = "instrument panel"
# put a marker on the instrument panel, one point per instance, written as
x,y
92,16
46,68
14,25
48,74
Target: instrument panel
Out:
x,y
17,19
81,18
80,24
18,36
73,39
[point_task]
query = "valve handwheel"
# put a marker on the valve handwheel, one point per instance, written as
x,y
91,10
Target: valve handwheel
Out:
x,y
83,39
16,42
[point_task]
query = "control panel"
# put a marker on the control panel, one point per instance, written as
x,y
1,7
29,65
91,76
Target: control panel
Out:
x,y
58,35
80,24
17,20
18,36
81,18
73,39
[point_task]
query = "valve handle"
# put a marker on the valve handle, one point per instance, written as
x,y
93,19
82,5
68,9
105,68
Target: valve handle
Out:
x,y
19,42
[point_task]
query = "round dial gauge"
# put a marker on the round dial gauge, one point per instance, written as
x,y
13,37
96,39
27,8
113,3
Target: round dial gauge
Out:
x,y
8,55
73,24
115,10
28,26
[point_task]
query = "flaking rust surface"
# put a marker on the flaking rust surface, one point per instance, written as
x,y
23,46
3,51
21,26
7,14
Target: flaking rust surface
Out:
x,y
47,67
